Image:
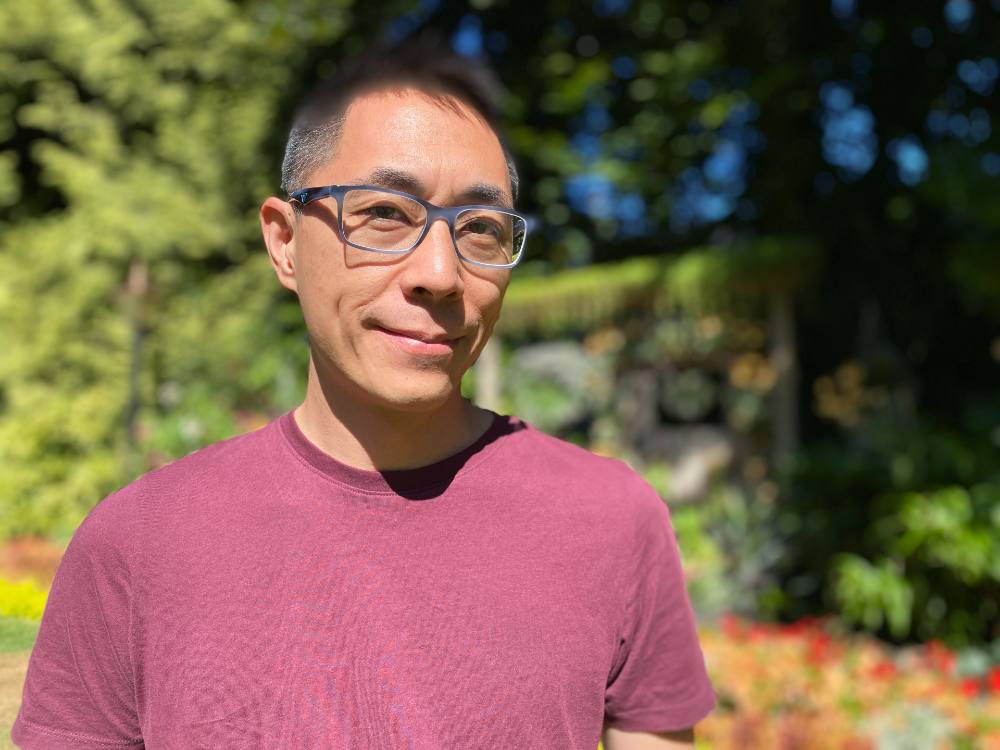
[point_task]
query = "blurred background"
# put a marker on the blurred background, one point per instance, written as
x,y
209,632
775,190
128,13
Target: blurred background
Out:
x,y
767,275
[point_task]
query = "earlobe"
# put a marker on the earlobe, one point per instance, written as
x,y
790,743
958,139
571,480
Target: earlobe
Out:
x,y
277,224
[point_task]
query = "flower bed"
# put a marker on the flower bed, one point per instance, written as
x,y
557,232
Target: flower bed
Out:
x,y
792,687
802,686
25,600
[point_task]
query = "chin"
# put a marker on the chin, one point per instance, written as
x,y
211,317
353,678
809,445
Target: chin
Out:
x,y
418,394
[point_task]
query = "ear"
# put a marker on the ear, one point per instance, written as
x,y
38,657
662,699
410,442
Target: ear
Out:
x,y
278,223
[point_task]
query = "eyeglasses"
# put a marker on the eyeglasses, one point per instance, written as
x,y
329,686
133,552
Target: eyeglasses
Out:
x,y
389,221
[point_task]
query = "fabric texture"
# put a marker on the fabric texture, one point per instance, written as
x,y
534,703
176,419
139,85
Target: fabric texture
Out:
x,y
260,594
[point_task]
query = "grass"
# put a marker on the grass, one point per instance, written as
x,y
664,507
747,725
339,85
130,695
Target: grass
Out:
x,y
17,634
16,639
13,666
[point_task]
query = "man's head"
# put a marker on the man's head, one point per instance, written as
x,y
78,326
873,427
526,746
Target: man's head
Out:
x,y
424,64
393,331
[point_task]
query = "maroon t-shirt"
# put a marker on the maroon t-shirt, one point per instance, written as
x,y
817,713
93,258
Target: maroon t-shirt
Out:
x,y
260,594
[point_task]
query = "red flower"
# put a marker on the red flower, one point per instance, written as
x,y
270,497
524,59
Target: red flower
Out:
x,y
884,671
799,627
993,680
969,687
939,657
731,625
759,631
819,647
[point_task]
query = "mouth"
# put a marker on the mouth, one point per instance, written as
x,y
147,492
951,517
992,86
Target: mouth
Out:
x,y
423,343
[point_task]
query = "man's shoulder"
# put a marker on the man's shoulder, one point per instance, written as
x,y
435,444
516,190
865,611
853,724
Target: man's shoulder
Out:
x,y
170,490
544,447
237,458
567,469
239,454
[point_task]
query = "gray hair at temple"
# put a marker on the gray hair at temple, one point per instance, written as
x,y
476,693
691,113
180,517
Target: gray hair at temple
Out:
x,y
426,63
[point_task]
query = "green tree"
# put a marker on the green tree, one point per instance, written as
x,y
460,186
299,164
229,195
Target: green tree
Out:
x,y
136,140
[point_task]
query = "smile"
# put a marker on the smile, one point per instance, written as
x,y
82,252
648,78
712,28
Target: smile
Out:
x,y
420,342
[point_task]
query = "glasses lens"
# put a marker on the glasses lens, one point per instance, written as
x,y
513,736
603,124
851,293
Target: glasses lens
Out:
x,y
382,221
491,237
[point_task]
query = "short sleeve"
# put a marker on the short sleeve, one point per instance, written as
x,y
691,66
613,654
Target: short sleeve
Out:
x,y
79,691
659,682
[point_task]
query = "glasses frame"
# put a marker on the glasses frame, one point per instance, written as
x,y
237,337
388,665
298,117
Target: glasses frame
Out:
x,y
305,196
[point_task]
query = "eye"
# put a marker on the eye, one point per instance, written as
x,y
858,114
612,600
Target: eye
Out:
x,y
388,213
482,226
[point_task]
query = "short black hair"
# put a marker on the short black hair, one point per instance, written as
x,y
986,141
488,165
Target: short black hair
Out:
x,y
426,63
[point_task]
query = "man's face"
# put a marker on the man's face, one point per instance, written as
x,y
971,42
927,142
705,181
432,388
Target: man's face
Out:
x,y
399,331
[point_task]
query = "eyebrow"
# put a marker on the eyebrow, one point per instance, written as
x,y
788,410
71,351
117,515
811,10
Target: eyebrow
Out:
x,y
477,193
483,192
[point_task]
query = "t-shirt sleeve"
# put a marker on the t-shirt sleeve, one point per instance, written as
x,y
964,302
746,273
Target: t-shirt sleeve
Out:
x,y
79,691
659,682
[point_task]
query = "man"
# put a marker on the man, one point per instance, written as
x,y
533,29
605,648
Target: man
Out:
x,y
387,566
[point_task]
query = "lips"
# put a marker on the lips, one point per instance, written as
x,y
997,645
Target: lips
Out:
x,y
426,337
421,342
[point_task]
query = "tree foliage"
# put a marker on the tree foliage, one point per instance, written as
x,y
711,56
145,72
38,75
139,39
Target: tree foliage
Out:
x,y
138,141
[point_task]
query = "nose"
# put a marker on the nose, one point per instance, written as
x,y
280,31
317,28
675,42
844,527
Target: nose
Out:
x,y
432,270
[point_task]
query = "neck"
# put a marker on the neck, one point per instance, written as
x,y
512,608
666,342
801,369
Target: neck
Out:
x,y
365,436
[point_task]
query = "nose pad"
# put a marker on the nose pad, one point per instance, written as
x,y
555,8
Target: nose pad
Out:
x,y
442,230
433,267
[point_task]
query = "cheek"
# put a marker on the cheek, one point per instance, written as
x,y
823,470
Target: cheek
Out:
x,y
487,306
332,304
328,285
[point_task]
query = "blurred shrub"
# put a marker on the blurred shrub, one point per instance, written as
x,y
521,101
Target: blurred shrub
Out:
x,y
704,564
730,549
556,384
897,528
688,395
195,420
916,727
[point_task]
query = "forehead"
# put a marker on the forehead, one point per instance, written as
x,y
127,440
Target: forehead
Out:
x,y
439,139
